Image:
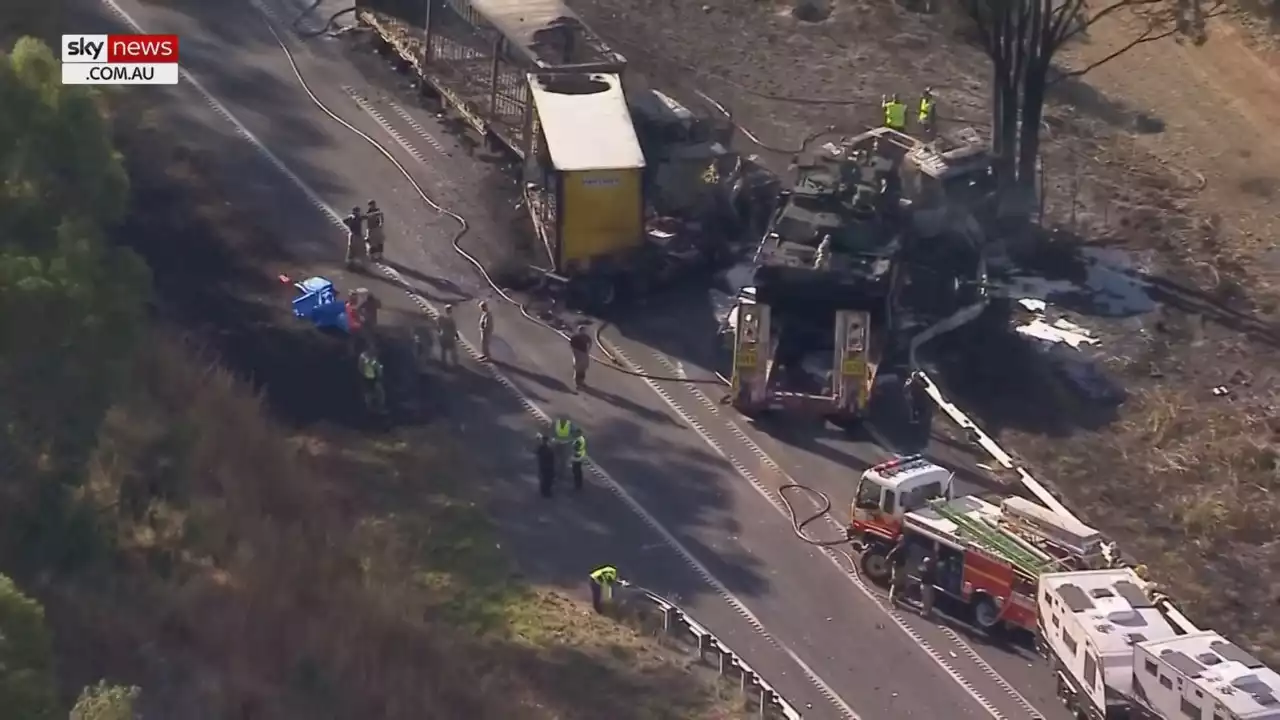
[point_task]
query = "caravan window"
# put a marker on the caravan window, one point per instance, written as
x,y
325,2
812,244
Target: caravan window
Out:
x,y
1070,642
1091,670
1190,710
1165,681
1150,667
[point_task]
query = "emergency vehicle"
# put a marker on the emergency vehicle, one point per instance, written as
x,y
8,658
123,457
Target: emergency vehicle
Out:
x,y
1120,651
988,556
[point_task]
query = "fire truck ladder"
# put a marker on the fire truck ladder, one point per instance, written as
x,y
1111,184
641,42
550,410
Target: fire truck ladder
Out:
x,y
1018,552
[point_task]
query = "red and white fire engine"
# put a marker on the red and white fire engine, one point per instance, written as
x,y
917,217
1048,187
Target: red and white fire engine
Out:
x,y
988,556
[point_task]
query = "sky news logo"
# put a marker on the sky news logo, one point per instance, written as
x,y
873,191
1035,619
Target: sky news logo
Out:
x,y
119,59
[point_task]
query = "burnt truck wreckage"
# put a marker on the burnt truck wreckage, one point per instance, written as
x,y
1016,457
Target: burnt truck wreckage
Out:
x,y
625,188
875,248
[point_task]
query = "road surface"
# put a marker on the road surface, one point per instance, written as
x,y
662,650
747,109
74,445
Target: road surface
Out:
x,y
713,537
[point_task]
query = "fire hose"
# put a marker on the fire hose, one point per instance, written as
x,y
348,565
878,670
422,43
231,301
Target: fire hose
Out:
x,y
464,227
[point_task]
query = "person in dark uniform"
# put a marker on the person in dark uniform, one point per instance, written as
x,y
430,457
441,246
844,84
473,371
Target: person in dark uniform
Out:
x,y
546,456
580,347
927,575
355,237
374,235
916,396
897,559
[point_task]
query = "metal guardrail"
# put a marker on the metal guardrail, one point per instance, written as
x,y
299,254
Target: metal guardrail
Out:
x,y
757,694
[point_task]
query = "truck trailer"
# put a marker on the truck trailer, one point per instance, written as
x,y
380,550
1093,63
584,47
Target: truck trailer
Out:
x,y
533,78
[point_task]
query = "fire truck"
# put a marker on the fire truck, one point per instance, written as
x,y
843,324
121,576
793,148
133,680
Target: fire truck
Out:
x,y
989,556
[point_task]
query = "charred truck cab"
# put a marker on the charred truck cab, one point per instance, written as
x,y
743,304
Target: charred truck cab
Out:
x,y
809,335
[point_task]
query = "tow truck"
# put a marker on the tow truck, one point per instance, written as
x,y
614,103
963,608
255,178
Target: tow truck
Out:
x,y
876,247
989,556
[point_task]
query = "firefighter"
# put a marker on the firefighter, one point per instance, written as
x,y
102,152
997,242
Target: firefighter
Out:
x,y
374,235
927,575
486,330
447,330
371,375
916,397
897,560
580,346
895,113
927,114
355,238
602,580
546,458
578,457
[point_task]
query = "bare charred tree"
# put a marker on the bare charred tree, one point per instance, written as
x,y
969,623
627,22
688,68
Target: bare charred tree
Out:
x,y
1022,37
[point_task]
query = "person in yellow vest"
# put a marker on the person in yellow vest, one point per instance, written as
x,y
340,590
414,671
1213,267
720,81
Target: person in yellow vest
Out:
x,y
895,113
371,374
926,117
562,434
578,457
602,580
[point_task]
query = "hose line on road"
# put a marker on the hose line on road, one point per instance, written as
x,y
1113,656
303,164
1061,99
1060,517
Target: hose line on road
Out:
x,y
463,226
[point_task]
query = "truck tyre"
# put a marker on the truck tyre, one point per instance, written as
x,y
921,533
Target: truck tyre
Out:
x,y
986,614
875,564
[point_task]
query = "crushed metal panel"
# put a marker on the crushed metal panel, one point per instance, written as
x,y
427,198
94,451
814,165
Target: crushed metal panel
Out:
x,y
544,31
586,122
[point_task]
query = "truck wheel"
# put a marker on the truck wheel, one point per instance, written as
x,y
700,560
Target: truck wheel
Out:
x,y
875,564
986,614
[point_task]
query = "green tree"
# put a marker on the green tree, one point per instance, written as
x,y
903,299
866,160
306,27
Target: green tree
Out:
x,y
106,702
71,304
26,657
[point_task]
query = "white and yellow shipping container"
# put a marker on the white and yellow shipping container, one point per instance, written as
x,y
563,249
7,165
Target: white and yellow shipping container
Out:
x,y
594,168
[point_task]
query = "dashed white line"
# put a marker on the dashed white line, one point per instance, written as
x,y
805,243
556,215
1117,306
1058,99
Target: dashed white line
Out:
x,y
609,482
772,497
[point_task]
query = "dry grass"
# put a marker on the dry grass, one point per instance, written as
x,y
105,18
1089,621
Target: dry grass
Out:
x,y
1206,473
291,576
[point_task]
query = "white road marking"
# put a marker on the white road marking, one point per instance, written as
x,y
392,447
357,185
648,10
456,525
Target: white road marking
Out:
x,y
336,219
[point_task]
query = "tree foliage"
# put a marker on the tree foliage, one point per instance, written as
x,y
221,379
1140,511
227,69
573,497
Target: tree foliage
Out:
x,y
1022,38
106,702
70,303
26,657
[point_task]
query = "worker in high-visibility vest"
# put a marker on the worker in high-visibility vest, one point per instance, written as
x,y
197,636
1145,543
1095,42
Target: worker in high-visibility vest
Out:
x,y
895,113
562,434
578,457
602,580
371,375
926,116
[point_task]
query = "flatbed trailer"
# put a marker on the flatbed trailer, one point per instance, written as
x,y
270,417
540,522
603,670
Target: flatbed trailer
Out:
x,y
477,55
531,77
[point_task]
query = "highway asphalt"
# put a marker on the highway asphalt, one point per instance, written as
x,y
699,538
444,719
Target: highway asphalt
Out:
x,y
811,608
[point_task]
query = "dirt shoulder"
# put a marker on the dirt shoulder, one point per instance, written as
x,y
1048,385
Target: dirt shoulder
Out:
x,y
319,568
1162,159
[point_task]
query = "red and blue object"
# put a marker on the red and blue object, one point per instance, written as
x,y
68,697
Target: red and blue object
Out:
x,y
318,302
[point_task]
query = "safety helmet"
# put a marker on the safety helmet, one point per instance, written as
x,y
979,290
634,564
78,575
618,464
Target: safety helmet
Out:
x,y
355,210
373,204
484,305
448,308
